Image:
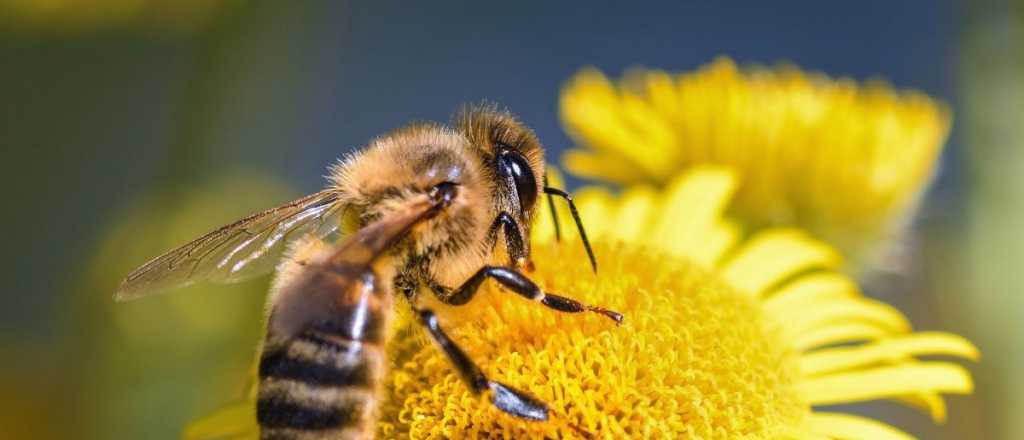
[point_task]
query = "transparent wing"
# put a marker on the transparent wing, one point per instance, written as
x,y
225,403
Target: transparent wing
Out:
x,y
249,247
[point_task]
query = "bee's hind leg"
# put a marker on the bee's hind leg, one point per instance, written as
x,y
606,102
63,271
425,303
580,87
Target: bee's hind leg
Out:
x,y
504,397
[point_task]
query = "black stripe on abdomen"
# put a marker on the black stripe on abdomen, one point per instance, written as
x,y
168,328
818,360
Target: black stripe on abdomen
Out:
x,y
330,366
317,381
276,412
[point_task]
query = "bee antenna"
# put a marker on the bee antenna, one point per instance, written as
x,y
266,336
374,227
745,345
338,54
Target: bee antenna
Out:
x,y
576,217
554,213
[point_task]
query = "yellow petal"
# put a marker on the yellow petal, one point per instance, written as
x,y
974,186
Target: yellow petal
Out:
x,y
632,219
612,169
596,207
234,421
840,311
773,255
693,205
845,426
843,358
838,334
806,435
656,151
620,127
886,382
717,242
812,287
543,228
660,88
794,300
932,403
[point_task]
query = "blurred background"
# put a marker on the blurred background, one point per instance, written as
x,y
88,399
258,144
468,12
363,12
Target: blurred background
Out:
x,y
130,126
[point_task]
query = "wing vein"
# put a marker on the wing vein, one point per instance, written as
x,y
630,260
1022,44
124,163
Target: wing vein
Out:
x,y
237,250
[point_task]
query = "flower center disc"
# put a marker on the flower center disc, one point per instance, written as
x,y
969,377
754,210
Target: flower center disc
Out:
x,y
692,358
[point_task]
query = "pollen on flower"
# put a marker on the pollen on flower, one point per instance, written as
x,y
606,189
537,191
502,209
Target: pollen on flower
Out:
x,y
693,358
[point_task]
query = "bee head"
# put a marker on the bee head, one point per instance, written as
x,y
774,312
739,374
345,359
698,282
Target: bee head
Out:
x,y
512,156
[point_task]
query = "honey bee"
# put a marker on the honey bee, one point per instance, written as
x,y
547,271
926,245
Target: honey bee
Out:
x,y
425,208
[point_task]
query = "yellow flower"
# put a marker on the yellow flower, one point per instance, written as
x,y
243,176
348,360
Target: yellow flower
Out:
x,y
735,326
725,336
846,162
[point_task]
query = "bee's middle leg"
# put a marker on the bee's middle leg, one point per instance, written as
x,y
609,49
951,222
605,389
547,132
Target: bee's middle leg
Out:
x,y
506,398
520,284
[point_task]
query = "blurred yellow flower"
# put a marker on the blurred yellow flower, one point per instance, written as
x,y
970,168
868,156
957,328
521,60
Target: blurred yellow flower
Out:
x,y
846,162
725,336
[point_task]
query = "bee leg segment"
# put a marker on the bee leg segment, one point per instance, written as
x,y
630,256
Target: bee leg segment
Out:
x,y
513,239
516,402
523,286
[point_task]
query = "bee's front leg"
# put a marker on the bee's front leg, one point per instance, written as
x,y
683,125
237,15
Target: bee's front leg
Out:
x,y
518,250
520,284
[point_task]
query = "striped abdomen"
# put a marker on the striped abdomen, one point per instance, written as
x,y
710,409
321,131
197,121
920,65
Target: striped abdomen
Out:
x,y
323,382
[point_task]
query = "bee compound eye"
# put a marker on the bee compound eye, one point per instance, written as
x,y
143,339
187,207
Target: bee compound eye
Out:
x,y
514,165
